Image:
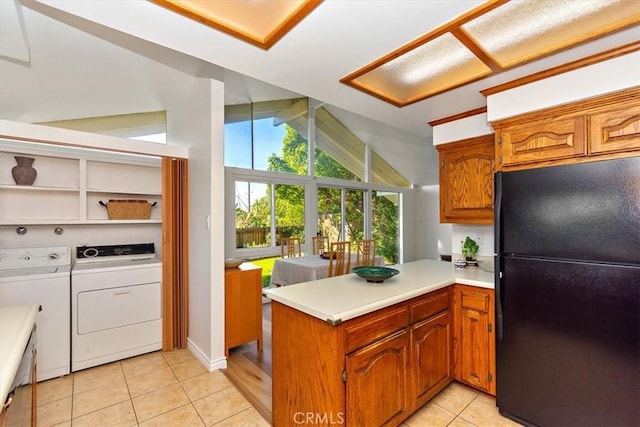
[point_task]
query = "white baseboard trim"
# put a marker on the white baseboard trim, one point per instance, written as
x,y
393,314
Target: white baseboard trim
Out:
x,y
211,365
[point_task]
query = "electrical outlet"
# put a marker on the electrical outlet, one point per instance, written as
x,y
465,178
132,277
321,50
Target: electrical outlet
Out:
x,y
478,238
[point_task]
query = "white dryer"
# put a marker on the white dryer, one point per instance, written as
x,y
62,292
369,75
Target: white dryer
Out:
x,y
116,304
41,276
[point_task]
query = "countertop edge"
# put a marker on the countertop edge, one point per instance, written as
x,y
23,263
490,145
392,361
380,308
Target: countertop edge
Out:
x,y
476,283
369,308
16,324
471,278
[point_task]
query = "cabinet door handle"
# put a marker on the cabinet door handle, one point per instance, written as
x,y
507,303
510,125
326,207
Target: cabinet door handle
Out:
x,y
122,293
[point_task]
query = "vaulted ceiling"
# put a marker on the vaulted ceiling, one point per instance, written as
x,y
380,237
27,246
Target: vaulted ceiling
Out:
x,y
58,56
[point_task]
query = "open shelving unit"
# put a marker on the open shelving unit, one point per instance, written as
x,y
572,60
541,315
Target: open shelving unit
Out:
x,y
69,187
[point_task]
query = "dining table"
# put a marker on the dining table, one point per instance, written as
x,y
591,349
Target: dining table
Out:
x,y
289,271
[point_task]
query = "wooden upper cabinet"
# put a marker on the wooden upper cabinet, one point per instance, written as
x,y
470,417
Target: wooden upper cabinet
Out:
x,y
548,139
466,180
615,130
599,128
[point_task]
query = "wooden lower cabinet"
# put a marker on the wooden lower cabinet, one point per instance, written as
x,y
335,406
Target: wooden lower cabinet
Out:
x,y
243,306
474,343
373,370
432,360
377,382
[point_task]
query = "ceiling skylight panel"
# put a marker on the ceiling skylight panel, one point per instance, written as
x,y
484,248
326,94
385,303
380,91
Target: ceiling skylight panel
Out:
x,y
522,30
260,22
430,68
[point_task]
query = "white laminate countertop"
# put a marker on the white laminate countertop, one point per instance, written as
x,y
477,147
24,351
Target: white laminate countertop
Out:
x,y
344,297
16,323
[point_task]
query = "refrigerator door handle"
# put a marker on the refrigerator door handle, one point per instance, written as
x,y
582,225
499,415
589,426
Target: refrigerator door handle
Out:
x,y
497,213
497,204
498,286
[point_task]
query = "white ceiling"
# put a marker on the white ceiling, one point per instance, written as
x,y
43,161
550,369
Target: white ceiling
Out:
x,y
78,53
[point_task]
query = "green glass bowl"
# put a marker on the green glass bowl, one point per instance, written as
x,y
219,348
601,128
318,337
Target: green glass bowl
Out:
x,y
374,274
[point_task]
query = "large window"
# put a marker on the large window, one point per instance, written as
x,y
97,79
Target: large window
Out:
x,y
253,214
339,153
257,136
385,224
264,210
268,140
341,213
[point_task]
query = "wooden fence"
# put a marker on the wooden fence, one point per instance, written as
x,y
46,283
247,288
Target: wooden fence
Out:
x,y
261,236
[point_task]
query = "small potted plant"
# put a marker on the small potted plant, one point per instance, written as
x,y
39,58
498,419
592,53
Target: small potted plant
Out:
x,y
469,251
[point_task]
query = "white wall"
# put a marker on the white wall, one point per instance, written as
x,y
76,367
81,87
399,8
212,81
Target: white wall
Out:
x,y
597,79
457,130
78,235
432,238
450,235
482,234
196,119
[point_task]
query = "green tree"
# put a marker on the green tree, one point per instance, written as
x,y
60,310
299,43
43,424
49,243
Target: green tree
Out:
x,y
289,202
384,228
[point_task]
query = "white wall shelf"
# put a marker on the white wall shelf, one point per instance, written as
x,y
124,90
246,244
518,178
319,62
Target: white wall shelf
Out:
x,y
36,188
67,189
79,222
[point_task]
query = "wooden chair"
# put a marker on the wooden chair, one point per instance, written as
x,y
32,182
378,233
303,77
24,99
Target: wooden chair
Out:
x,y
340,258
290,247
320,245
366,252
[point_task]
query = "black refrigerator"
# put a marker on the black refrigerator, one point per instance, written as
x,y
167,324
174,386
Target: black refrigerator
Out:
x,y
567,271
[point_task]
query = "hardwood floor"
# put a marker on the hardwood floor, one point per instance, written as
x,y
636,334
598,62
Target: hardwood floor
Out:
x,y
250,370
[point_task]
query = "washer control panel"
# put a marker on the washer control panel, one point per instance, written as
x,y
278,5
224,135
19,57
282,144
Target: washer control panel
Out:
x,y
34,257
136,251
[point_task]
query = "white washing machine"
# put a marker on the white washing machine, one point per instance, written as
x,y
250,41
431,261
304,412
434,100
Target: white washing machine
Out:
x,y
41,276
116,304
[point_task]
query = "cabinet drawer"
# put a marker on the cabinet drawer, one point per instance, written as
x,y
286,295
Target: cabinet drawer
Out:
x,y
475,301
373,328
432,304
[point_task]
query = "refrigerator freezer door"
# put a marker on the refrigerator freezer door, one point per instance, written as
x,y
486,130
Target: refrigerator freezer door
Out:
x,y
570,349
588,211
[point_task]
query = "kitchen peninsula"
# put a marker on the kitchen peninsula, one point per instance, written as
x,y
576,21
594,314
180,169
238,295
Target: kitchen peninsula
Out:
x,y
349,351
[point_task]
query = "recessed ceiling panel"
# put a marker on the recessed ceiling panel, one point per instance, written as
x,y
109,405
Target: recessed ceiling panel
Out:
x,y
260,22
443,62
521,30
489,39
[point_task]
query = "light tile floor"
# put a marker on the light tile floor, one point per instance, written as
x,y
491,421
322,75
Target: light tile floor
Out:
x,y
459,406
174,389
156,389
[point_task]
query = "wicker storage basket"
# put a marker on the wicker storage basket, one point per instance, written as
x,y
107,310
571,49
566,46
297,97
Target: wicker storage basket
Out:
x,y
128,209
